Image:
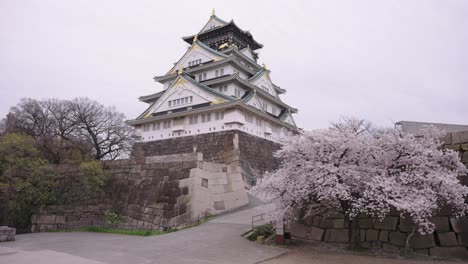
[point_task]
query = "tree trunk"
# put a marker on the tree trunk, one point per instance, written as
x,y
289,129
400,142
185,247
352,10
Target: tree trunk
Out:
x,y
354,233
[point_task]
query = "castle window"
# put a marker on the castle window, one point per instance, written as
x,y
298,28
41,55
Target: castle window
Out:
x,y
221,72
265,89
156,126
223,89
248,118
204,76
216,73
219,115
237,92
193,119
258,121
273,110
204,182
194,62
180,101
167,124
206,117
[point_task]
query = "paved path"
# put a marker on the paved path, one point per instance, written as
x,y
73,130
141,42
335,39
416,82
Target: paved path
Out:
x,y
313,256
217,241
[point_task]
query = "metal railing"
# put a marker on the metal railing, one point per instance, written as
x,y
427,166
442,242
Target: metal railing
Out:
x,y
260,219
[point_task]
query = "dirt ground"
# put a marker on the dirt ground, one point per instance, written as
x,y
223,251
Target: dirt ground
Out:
x,y
313,254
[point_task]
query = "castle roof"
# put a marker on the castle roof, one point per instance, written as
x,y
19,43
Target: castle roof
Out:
x,y
241,38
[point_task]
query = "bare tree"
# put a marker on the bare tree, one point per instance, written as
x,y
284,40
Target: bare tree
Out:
x,y
64,129
104,127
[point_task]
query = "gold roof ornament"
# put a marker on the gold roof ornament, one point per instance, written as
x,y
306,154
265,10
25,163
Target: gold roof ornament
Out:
x,y
213,12
195,39
264,66
181,70
224,45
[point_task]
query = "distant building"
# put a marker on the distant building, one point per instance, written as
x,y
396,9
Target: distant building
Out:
x,y
417,128
217,85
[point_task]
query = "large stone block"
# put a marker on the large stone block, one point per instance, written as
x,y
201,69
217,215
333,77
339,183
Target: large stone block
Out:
x,y
336,235
406,225
455,147
465,157
326,223
388,223
316,233
447,139
338,223
464,147
372,235
459,225
397,239
298,230
463,239
366,223
460,137
441,223
362,235
383,236
46,219
448,239
419,241
449,252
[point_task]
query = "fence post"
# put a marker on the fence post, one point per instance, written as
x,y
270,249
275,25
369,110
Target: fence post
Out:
x,y
279,231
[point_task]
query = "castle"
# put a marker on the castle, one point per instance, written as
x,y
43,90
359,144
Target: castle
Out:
x,y
217,85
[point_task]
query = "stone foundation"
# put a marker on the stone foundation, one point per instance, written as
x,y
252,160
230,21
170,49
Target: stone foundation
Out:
x,y
157,188
255,154
450,238
7,233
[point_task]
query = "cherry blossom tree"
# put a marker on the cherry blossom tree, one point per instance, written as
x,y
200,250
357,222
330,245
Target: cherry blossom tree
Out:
x,y
353,169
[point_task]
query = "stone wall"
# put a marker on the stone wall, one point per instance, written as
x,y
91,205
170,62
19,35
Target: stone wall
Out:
x,y
449,240
256,154
156,188
7,233
458,141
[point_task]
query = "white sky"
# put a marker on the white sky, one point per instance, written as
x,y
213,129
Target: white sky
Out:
x,y
381,60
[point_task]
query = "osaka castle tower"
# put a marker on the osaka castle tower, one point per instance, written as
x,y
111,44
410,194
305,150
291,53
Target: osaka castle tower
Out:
x,y
217,85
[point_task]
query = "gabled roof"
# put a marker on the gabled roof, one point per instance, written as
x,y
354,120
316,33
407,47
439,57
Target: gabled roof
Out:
x,y
284,115
195,45
151,97
254,44
236,104
213,18
237,52
252,96
235,77
247,50
267,72
188,78
204,66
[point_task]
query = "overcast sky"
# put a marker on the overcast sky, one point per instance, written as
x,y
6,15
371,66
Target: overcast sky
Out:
x,y
381,60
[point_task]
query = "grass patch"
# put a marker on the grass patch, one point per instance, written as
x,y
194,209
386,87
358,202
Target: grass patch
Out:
x,y
131,232
263,230
125,231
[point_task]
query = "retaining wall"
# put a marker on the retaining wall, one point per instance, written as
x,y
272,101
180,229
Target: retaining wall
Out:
x,y
156,188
